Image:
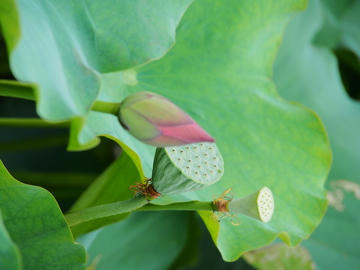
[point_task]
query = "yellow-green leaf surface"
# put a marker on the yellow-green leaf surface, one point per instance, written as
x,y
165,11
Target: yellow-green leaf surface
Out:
x,y
36,225
306,58
10,257
63,46
280,256
219,71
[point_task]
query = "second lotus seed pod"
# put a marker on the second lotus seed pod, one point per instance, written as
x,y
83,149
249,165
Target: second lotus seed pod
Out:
x,y
186,168
259,205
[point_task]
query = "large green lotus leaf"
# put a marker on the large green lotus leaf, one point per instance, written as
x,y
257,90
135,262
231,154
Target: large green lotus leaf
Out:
x,y
143,241
64,45
309,74
219,72
111,186
35,223
10,257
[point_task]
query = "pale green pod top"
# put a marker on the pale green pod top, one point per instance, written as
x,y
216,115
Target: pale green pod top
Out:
x,y
259,205
186,168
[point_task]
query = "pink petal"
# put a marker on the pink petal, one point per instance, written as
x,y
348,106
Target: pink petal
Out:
x,y
188,133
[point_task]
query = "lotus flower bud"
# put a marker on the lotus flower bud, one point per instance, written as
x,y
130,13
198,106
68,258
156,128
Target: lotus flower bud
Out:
x,y
156,121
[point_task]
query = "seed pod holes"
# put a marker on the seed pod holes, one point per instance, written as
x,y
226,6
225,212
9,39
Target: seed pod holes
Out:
x,y
186,168
200,156
265,202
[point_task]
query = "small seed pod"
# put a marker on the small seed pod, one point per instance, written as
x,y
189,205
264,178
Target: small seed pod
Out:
x,y
259,205
186,168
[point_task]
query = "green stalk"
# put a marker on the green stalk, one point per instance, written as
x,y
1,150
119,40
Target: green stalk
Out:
x,y
258,205
31,122
16,89
138,203
187,206
105,210
106,107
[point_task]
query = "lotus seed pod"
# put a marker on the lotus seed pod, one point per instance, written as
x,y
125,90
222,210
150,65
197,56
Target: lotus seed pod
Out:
x,y
186,168
259,205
